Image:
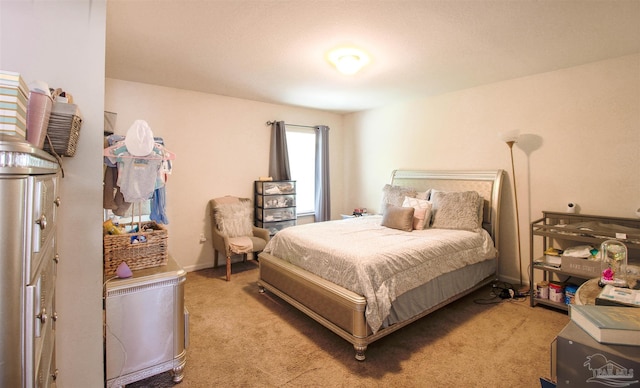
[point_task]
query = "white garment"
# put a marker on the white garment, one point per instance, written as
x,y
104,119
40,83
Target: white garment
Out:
x,y
137,178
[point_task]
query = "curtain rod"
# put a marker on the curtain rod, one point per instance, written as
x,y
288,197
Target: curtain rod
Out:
x,y
291,125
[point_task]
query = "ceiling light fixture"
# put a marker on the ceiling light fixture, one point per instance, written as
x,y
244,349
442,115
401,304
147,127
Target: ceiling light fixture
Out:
x,y
348,60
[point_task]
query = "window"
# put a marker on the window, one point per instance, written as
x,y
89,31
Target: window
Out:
x,y
301,144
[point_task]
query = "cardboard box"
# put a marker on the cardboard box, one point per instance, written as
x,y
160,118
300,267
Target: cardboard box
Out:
x,y
581,267
582,361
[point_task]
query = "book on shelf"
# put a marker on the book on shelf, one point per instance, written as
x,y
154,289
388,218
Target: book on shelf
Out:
x,y
12,112
10,90
15,106
11,78
19,127
10,75
20,100
608,324
16,119
13,130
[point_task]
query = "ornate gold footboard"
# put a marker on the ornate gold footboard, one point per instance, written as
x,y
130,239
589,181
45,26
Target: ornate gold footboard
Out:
x,y
343,311
335,307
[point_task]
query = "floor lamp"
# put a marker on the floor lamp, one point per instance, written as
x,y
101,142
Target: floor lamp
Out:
x,y
511,137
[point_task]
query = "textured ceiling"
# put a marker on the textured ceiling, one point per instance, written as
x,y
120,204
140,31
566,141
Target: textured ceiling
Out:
x,y
275,51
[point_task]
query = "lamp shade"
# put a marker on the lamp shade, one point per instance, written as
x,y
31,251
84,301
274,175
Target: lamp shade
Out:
x,y
510,136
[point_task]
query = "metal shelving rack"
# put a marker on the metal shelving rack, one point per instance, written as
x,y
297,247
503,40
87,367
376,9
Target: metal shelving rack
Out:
x,y
552,229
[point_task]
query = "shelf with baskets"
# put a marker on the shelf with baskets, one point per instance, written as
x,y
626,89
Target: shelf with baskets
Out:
x,y
275,205
566,230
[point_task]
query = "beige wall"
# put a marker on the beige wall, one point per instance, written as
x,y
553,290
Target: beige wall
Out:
x,y
580,142
568,119
62,43
222,146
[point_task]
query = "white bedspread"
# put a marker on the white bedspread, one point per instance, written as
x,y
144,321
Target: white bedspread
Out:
x,y
376,262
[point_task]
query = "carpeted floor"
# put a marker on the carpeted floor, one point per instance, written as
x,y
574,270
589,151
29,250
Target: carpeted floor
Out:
x,y
241,338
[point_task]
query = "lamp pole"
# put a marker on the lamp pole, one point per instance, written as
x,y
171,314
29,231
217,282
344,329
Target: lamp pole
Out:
x,y
510,143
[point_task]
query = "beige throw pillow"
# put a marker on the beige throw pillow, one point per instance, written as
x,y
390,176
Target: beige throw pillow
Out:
x,y
395,195
397,217
457,210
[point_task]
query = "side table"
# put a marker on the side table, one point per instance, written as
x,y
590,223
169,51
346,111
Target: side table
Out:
x,y
581,361
146,325
588,292
345,216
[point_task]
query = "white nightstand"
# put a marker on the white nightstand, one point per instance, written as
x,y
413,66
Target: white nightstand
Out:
x,y
345,216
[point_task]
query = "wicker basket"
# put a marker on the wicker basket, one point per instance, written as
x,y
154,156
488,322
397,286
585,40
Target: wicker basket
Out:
x,y
63,129
151,253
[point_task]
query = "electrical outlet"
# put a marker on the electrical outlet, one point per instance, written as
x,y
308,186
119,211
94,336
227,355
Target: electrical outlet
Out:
x,y
202,238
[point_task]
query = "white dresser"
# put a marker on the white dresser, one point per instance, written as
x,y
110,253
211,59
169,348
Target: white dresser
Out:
x,y
146,325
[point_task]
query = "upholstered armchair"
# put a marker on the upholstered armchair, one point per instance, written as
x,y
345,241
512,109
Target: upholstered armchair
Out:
x,y
233,231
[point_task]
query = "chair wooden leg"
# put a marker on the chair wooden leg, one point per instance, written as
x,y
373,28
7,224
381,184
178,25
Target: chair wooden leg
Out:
x,y
215,258
228,268
244,257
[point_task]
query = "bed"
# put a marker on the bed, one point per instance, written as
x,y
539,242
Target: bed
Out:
x,y
366,277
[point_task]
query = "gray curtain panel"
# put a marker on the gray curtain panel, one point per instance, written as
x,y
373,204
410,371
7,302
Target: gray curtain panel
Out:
x,y
323,200
279,155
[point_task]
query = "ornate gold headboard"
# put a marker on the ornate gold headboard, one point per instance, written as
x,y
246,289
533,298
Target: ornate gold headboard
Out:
x,y
487,183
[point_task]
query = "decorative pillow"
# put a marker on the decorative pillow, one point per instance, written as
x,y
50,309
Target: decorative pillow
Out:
x,y
424,194
398,217
234,219
480,210
395,195
422,213
457,210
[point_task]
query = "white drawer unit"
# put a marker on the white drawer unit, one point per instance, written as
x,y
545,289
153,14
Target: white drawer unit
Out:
x,y
146,325
28,251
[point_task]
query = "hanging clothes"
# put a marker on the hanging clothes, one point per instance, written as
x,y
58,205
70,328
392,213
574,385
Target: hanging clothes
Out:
x,y
158,206
158,201
112,198
137,178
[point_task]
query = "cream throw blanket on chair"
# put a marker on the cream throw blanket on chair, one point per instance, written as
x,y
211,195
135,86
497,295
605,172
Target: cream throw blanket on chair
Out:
x,y
233,219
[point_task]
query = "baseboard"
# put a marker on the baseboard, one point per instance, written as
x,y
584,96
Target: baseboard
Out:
x,y
198,267
515,282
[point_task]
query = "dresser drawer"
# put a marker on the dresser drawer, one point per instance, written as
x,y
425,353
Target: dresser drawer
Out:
x,y
40,317
275,227
275,187
45,203
278,214
275,201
